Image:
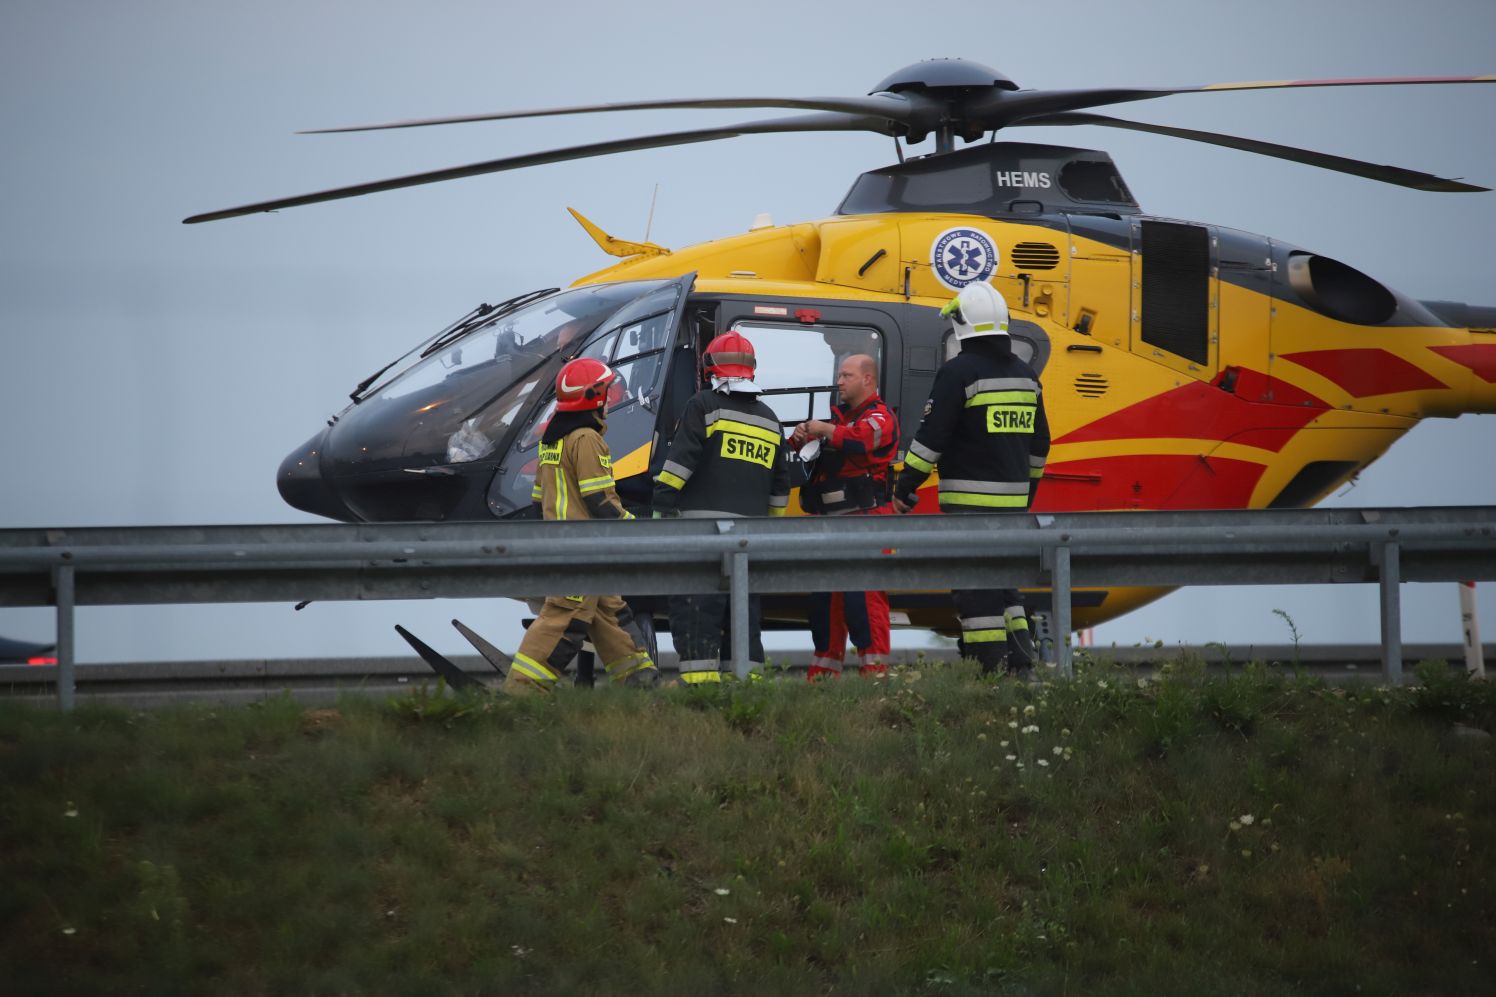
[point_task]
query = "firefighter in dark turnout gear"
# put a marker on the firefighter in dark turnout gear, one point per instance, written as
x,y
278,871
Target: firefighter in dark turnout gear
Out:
x,y
984,426
851,477
575,481
728,459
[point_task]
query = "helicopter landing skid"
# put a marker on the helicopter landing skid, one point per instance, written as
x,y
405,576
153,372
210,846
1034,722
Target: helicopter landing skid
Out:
x,y
491,654
455,677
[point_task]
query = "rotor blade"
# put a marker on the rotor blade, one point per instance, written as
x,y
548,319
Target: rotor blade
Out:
x,y
1340,164
998,109
895,107
806,123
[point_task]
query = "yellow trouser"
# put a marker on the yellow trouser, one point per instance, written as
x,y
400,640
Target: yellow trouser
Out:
x,y
564,622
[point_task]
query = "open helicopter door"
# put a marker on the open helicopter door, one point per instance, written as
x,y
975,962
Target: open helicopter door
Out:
x,y
1175,296
639,341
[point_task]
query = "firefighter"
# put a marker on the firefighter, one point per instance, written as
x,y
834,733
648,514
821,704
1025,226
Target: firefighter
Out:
x,y
727,459
984,427
575,481
851,478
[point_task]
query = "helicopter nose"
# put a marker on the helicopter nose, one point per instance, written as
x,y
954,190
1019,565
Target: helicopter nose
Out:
x,y
302,485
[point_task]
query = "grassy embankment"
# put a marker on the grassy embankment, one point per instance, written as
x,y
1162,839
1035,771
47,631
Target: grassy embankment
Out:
x,y
933,832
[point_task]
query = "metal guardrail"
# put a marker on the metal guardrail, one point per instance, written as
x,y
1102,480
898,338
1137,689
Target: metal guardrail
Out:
x,y
66,568
321,681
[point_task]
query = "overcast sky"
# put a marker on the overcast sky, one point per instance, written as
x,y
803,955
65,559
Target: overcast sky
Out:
x,y
156,373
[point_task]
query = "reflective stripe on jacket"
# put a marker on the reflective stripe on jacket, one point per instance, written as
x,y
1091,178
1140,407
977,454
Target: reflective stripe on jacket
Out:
x,y
984,426
575,478
728,458
852,473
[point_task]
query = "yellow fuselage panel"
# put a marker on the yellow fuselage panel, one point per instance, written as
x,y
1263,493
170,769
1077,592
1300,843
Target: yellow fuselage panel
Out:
x,y
1285,390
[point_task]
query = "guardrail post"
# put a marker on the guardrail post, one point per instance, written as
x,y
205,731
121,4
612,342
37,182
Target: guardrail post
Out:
x,y
62,581
1060,595
740,624
1392,663
1475,661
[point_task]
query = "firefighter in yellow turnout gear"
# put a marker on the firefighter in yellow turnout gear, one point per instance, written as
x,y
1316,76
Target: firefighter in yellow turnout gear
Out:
x,y
575,481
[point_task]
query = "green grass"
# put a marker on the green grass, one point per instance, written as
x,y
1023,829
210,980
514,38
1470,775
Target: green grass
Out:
x,y
1252,833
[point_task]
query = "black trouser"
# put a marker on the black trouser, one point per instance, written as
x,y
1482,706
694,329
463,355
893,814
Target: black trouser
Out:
x,y
702,630
984,625
986,616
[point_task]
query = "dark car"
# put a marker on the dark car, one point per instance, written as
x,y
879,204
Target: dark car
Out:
x,y
20,652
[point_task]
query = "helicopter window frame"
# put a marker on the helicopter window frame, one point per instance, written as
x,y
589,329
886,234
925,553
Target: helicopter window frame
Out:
x,y
818,397
604,347
1037,342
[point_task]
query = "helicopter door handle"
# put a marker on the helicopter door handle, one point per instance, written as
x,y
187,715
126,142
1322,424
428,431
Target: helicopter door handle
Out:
x,y
1082,348
441,472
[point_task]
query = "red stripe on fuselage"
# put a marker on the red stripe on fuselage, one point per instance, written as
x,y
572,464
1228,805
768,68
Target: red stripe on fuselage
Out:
x,y
1148,481
1479,357
1365,372
1259,411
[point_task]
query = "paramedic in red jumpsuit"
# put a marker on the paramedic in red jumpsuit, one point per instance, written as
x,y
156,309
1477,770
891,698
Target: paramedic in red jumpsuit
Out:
x,y
851,478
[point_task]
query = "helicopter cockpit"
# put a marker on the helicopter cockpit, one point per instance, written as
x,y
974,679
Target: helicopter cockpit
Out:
x,y
421,439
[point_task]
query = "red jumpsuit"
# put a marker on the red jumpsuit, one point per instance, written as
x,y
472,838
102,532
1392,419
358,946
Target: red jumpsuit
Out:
x,y
851,478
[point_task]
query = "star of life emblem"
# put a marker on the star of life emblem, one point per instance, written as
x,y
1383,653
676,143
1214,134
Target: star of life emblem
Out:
x,y
962,256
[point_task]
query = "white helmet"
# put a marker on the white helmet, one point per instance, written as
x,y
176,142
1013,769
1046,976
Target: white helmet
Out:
x,y
978,310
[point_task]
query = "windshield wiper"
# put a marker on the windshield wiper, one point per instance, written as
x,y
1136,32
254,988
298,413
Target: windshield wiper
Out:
x,y
481,316
473,319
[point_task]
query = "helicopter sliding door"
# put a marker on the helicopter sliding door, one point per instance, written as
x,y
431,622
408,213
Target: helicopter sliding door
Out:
x,y
1175,296
637,342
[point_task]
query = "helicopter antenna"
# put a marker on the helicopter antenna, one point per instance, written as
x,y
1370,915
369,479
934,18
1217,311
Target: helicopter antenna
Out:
x,y
650,223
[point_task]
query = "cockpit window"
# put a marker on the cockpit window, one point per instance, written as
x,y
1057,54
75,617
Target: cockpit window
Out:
x,y
636,353
461,402
519,340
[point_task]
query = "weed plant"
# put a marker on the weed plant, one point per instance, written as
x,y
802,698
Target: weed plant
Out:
x,y
932,832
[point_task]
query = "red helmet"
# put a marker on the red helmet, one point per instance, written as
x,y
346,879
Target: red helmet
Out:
x,y
582,385
730,355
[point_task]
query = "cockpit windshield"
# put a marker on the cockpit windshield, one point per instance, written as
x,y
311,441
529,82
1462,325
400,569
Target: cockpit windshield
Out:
x,y
460,402
520,339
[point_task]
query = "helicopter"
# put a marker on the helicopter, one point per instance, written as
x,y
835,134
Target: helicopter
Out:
x,y
1185,365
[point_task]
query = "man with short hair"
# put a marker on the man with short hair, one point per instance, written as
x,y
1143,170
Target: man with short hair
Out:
x,y
851,478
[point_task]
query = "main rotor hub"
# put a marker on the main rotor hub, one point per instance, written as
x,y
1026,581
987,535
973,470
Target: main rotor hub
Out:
x,y
944,75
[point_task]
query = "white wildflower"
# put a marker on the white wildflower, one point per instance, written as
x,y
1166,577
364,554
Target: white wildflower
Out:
x,y
1044,762
1246,819
722,891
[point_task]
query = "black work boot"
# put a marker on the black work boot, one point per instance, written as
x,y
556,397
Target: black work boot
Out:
x,y
1021,652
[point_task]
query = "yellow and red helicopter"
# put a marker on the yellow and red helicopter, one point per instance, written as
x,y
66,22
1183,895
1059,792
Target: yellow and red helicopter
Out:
x,y
1185,365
